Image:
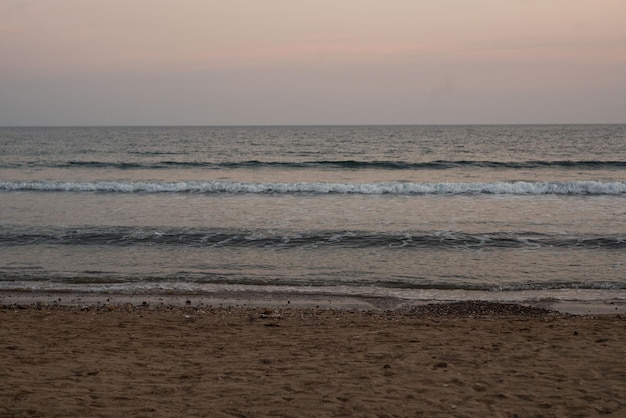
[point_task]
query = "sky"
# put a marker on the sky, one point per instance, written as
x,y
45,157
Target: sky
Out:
x,y
287,62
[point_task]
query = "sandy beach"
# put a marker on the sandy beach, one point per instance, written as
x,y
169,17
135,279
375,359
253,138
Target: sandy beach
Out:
x,y
464,359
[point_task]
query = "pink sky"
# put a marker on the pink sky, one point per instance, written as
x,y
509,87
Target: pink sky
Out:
x,y
100,62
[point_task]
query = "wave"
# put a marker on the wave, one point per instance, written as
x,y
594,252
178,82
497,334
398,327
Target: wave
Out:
x,y
389,188
189,283
128,236
339,164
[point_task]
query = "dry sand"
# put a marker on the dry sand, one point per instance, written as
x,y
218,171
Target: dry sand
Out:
x,y
465,359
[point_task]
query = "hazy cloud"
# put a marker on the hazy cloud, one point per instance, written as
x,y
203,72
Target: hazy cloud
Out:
x,y
356,61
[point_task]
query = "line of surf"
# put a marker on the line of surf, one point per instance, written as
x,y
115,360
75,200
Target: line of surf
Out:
x,y
391,188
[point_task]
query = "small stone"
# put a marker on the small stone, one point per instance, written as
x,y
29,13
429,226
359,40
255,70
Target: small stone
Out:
x,y
479,387
441,364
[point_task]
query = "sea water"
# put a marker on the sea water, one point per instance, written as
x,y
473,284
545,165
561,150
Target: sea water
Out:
x,y
419,212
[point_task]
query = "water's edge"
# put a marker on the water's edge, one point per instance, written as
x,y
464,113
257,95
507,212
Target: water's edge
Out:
x,y
289,299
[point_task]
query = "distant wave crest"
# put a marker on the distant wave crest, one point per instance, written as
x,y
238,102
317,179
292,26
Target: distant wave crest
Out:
x,y
335,164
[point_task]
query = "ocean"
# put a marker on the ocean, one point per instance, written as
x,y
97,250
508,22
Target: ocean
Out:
x,y
490,212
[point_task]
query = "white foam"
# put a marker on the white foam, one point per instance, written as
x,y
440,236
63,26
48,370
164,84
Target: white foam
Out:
x,y
393,188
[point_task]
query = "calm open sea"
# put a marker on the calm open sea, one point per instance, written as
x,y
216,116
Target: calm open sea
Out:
x,y
418,212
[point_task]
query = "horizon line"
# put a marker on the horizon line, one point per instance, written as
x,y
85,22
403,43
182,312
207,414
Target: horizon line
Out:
x,y
261,125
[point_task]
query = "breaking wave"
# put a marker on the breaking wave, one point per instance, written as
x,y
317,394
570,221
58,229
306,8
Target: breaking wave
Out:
x,y
389,188
128,236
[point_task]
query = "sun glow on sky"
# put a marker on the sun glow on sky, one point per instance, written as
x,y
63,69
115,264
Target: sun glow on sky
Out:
x,y
99,62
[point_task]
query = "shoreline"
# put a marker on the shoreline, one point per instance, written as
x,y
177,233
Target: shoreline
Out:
x,y
286,299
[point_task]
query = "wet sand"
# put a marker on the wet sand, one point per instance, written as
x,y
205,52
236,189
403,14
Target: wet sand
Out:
x,y
463,359
281,299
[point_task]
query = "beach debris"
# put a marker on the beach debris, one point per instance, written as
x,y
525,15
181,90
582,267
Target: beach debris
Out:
x,y
270,314
480,308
